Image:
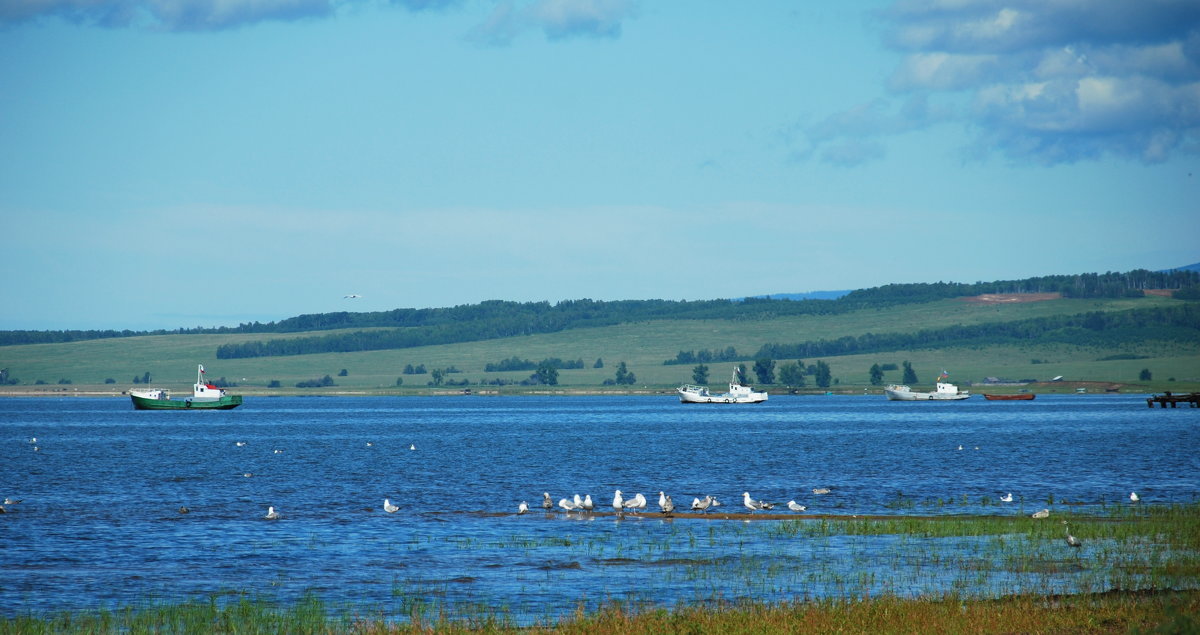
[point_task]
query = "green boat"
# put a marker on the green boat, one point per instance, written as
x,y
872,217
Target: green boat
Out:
x,y
205,396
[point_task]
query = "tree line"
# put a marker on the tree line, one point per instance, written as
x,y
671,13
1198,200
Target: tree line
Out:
x,y
1179,323
497,318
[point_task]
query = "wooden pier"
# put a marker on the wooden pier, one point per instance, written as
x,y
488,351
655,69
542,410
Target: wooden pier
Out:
x,y
1174,400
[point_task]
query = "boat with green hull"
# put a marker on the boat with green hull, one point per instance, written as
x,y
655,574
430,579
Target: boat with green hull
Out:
x,y
205,396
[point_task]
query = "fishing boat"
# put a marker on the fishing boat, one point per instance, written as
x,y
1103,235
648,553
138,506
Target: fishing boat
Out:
x,y
943,391
205,396
1024,396
738,393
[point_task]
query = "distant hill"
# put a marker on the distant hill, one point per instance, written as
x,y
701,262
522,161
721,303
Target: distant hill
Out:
x,y
1194,267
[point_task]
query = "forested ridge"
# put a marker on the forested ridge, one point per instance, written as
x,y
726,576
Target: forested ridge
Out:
x,y
1180,324
405,328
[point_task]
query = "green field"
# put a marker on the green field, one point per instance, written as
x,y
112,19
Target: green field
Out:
x,y
171,359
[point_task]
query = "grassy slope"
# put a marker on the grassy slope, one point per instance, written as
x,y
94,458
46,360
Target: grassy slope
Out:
x,y
171,359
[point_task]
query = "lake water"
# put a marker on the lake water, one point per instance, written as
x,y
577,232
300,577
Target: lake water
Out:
x,y
99,523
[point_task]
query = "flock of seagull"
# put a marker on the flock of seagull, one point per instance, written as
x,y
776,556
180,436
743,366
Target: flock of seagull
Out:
x,y
638,503
666,505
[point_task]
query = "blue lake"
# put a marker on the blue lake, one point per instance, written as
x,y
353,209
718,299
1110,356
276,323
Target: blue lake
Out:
x,y
99,522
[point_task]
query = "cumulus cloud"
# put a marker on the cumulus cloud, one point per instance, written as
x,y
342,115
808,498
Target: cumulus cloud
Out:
x,y
1052,81
557,19
186,15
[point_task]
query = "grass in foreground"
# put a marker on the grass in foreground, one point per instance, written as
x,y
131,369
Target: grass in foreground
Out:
x,y
1112,612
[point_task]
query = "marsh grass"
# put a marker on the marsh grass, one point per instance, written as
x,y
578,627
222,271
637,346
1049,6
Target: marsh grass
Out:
x,y
1162,612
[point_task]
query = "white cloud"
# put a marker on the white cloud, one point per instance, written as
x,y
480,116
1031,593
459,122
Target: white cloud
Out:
x,y
1054,81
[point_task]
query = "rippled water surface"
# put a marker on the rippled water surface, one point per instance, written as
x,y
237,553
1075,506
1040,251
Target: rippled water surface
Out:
x,y
99,523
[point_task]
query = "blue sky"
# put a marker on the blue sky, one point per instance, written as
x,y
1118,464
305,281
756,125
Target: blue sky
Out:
x,y
209,162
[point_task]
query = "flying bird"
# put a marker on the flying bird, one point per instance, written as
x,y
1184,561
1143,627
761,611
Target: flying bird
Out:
x,y
389,507
351,296
796,507
271,514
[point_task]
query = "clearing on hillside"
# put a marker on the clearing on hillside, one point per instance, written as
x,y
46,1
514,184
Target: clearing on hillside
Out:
x,y
1009,298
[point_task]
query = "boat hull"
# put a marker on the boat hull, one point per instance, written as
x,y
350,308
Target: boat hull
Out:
x,y
224,403
908,395
759,397
1027,396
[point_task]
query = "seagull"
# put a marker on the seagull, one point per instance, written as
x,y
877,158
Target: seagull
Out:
x,y
1007,498
351,296
33,439
668,506
412,446
278,451
587,503
1071,540
1045,513
522,508
753,505
699,505
796,507
715,502
389,507
12,501
247,475
2,510
547,504
369,444
240,443
618,502
183,509
566,504
662,499
1134,497
960,447
821,490
636,504
271,514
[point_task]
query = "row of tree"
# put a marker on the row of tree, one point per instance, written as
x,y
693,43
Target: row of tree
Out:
x,y
516,363
791,374
1179,323
495,318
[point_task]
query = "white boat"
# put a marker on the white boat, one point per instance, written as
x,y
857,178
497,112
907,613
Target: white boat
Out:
x,y
690,393
944,392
